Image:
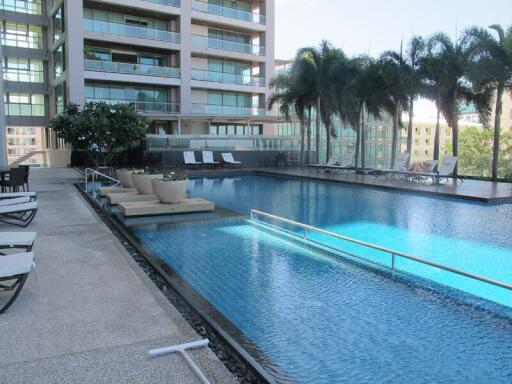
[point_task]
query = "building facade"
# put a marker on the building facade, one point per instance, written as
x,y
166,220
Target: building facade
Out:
x,y
193,67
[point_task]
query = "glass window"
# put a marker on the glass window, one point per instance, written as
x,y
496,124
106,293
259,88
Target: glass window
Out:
x,y
60,97
59,61
58,23
31,7
21,35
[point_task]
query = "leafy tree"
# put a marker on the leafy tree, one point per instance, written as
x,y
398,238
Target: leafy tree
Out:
x,y
476,152
493,58
100,129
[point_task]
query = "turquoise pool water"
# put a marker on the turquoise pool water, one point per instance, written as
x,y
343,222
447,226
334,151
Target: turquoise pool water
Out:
x,y
326,320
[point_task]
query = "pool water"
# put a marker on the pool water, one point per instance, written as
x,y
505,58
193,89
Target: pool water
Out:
x,y
324,319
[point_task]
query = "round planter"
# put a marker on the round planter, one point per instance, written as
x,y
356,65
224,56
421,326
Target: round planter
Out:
x,y
143,183
125,177
170,192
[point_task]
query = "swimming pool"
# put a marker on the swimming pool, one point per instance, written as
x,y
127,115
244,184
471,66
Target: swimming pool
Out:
x,y
324,319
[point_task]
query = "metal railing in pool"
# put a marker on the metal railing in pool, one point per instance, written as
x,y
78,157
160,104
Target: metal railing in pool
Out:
x,y
95,174
394,253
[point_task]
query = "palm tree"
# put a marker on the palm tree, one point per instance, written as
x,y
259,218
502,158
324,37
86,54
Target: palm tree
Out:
x,y
431,74
456,58
395,74
493,56
291,96
360,96
318,66
413,56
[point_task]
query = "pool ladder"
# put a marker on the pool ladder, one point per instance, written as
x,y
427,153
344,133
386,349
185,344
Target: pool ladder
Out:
x,y
394,253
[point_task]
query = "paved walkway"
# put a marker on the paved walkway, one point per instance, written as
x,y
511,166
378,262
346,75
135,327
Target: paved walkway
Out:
x,y
90,314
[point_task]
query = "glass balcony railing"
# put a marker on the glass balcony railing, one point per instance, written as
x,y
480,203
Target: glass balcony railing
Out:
x,y
210,109
143,106
21,40
130,30
19,109
171,3
131,69
229,78
232,13
23,75
210,42
21,6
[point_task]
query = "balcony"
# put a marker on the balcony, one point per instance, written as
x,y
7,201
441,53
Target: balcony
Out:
x,y
23,75
232,13
143,106
21,6
21,109
210,42
21,40
130,30
131,69
210,109
170,3
228,78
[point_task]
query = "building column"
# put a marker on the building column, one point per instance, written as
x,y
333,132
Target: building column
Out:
x,y
186,57
3,129
74,40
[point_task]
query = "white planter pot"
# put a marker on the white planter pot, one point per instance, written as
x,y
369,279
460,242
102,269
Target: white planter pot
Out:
x,y
143,183
125,177
170,192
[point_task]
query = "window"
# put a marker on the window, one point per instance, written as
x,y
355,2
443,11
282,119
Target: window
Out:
x,y
234,129
58,23
24,104
21,35
59,61
23,70
60,97
31,7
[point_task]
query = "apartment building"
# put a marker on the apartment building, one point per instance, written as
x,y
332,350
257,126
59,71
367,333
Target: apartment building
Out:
x,y
193,67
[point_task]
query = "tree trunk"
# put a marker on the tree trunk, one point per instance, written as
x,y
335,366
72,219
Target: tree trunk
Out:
x,y
455,132
308,154
436,134
497,132
363,140
328,141
394,141
301,124
317,130
411,126
358,140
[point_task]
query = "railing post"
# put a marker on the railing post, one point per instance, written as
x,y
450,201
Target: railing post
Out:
x,y
305,233
393,263
251,214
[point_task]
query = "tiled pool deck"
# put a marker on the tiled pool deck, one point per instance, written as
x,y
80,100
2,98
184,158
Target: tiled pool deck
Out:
x,y
89,314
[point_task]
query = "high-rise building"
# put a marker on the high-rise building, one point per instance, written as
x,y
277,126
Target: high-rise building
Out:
x,y
193,67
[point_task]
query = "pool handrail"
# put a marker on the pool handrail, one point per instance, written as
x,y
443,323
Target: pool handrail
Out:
x,y
96,173
394,253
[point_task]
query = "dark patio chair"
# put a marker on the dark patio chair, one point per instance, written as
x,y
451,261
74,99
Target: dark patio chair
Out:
x,y
26,168
15,181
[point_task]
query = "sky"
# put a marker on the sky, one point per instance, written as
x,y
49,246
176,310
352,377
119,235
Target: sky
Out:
x,y
374,26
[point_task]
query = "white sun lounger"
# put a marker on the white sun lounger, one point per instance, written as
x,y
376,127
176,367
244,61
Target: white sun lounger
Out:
x,y
444,172
15,267
331,163
230,160
208,158
345,162
17,240
20,215
400,165
14,195
189,159
15,200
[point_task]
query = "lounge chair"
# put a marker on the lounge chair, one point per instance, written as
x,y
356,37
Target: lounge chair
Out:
x,y
189,159
208,158
330,163
15,267
230,160
401,162
444,172
17,240
12,195
345,162
20,215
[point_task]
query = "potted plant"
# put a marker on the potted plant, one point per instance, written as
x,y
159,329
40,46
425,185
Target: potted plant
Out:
x,y
142,181
125,177
171,189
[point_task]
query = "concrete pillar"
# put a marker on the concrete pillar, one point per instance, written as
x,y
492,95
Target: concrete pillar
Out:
x,y
3,129
186,56
74,38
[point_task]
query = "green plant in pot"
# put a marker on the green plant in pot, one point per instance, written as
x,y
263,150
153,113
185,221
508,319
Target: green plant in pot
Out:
x,y
171,189
142,181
